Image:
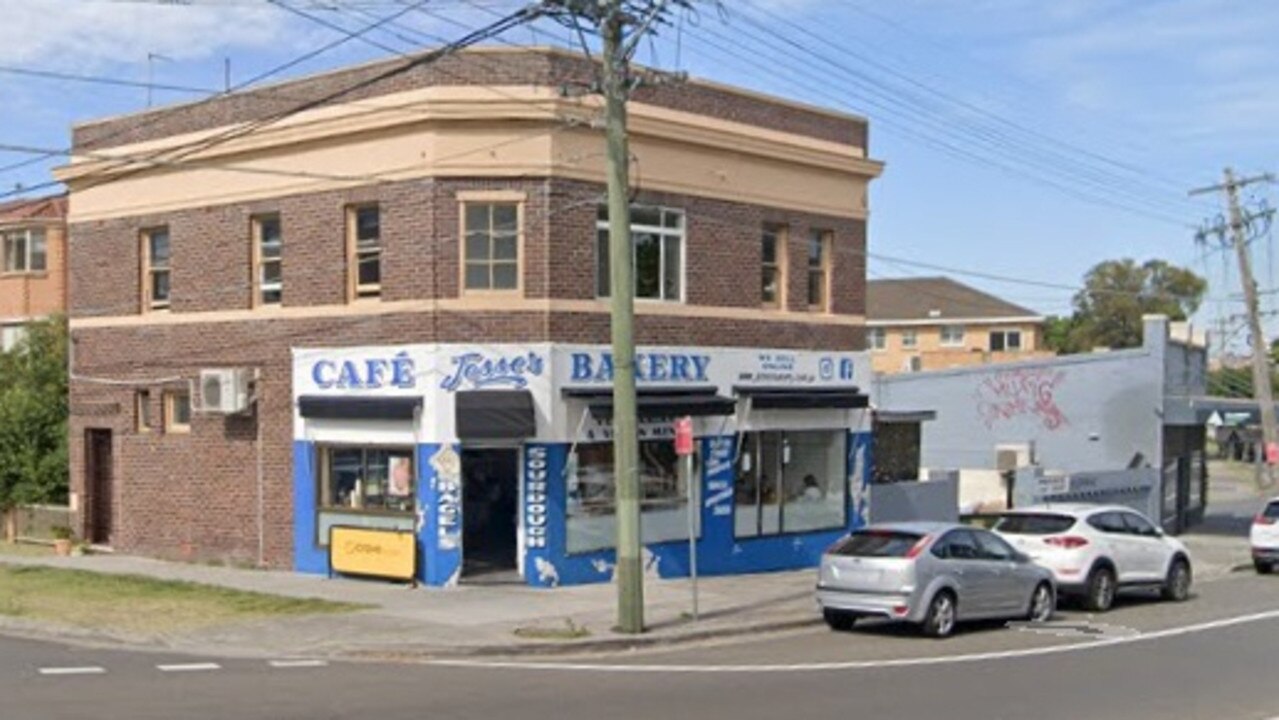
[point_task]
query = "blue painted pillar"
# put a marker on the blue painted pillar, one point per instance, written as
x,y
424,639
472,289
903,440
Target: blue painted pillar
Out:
x,y
440,513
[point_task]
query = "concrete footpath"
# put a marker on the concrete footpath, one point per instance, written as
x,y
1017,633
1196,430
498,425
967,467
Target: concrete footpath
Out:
x,y
489,619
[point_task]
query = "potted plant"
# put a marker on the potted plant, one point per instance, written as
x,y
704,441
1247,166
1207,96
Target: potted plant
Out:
x,y
62,540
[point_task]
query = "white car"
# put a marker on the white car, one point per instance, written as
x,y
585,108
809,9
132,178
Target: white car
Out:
x,y
1096,550
1264,538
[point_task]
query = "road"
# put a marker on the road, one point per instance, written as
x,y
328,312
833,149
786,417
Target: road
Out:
x,y
1212,657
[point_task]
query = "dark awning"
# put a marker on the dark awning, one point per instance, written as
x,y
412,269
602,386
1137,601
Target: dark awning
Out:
x,y
495,415
904,416
787,398
659,402
359,408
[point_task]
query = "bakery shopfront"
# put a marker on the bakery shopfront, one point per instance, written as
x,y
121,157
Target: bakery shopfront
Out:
x,y
499,457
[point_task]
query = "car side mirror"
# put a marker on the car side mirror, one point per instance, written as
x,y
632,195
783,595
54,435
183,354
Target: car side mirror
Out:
x,y
1021,558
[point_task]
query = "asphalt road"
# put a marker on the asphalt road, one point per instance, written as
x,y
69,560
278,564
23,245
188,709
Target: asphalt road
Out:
x,y
1212,657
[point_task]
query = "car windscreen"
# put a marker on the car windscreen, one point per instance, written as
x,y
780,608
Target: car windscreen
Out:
x,y
1272,510
1034,524
876,543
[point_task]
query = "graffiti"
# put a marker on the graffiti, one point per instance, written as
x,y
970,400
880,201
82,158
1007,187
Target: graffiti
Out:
x,y
1024,392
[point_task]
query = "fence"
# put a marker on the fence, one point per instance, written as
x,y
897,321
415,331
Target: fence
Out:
x,y
936,499
35,523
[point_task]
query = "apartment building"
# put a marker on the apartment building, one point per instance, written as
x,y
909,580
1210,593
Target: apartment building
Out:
x,y
33,277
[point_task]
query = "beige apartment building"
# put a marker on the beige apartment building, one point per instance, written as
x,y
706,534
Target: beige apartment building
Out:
x,y
33,276
916,324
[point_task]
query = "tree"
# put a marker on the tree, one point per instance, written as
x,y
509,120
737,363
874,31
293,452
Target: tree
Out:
x,y
1115,296
33,417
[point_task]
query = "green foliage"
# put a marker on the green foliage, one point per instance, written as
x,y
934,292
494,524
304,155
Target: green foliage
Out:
x,y
1116,294
33,417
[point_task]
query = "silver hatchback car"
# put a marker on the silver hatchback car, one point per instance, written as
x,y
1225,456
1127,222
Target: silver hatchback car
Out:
x,y
930,574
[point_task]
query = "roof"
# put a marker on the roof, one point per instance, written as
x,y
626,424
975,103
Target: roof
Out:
x,y
936,298
53,207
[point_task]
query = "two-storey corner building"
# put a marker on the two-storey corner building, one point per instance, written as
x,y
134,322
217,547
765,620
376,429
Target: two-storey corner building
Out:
x,y
33,276
390,310
935,323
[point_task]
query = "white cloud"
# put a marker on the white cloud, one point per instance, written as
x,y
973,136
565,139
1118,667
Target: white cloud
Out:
x,y
80,33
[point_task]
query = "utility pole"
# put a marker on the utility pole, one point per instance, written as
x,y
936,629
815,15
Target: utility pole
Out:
x,y
620,25
1235,232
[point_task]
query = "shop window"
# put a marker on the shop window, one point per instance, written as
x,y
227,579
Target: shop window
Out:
x,y
492,246
268,261
366,487
592,502
177,411
819,264
657,236
791,482
155,269
25,251
142,410
364,248
773,266
1005,341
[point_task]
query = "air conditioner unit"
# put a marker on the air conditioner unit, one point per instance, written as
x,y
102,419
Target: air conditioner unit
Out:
x,y
224,392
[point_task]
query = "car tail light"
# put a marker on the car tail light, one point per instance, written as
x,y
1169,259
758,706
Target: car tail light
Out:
x,y
1261,519
1067,542
900,610
918,547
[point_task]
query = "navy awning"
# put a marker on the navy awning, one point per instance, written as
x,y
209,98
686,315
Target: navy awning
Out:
x,y
359,408
495,415
659,402
804,398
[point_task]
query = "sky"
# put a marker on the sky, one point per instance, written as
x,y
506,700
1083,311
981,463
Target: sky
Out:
x,y
1023,139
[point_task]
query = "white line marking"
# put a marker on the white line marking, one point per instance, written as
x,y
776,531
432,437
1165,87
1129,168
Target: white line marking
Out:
x,y
189,667
866,664
298,663
86,670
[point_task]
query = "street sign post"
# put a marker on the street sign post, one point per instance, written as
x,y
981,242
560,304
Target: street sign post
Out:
x,y
684,451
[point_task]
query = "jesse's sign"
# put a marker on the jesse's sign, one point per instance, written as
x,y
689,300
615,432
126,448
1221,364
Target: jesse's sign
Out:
x,y
476,370
649,367
397,371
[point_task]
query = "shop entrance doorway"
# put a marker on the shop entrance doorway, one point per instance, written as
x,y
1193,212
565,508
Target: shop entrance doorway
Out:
x,y
490,514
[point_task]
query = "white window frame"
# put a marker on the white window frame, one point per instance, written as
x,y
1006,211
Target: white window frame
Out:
x,y
23,264
681,233
877,339
466,202
910,339
952,341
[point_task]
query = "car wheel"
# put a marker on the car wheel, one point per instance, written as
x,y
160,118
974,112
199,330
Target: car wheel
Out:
x,y
1177,585
1042,604
839,620
940,620
1263,567
1101,590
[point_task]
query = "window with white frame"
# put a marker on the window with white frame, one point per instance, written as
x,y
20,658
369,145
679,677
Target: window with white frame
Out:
x,y
657,238
1005,341
156,269
268,260
25,251
365,251
952,335
492,246
910,339
876,338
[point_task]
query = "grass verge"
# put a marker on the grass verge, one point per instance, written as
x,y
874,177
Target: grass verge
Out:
x,y
25,550
137,604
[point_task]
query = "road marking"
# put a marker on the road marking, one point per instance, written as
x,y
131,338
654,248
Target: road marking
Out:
x,y
298,663
189,667
86,670
865,664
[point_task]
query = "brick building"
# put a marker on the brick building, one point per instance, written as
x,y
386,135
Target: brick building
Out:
x,y
934,323
33,277
381,311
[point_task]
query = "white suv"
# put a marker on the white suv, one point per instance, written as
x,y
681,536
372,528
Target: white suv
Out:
x,y
1264,538
1095,550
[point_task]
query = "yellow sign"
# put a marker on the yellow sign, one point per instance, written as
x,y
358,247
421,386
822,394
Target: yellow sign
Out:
x,y
377,553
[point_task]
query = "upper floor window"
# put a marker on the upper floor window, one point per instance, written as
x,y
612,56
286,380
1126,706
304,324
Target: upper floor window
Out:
x,y
25,251
364,251
876,338
657,240
491,246
156,258
910,339
177,411
819,250
773,266
268,260
952,335
1005,341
